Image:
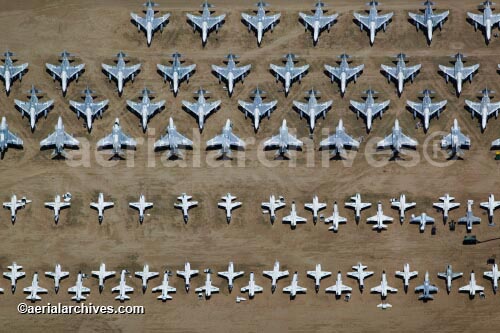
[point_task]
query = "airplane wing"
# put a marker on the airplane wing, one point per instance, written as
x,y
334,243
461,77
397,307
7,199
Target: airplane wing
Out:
x,y
197,20
73,70
73,289
493,107
359,107
126,140
390,70
326,20
350,72
420,19
80,107
129,70
15,70
495,18
210,107
160,20
153,107
435,107
106,141
321,107
407,141
49,141
279,70
241,71
303,107
383,19
112,70
268,20
437,18
464,288
139,20
54,69
250,19
320,206
377,289
466,71
450,71
416,107
185,70
476,18
222,71
13,139
386,142
275,141
335,71
309,19
176,137
379,107
410,70
475,107
300,289
99,106
70,141
213,21
296,71
364,20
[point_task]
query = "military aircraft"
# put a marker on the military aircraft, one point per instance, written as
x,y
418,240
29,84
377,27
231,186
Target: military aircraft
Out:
x,y
312,109
187,273
427,288
319,21
338,288
423,219
58,274
173,141
455,141
208,289
79,289
57,205
469,219
145,109
493,275
122,289
373,21
14,274
8,71
201,109
14,204
459,72
145,275
272,205
429,20
406,275
65,72
449,276
360,274
227,140
89,109
402,206
379,219
283,141
357,205
335,219
344,73
7,138
59,139
369,109
275,275
185,204
150,23
315,206
490,205
251,288
33,108
257,108
426,109
176,73
205,22
141,206
486,19
471,287
34,289
100,206
230,275
318,275
260,22
165,288
293,218
289,72
228,204
102,274
383,289
231,73
401,72
116,140
484,109
446,205
294,288
338,142
121,72
397,141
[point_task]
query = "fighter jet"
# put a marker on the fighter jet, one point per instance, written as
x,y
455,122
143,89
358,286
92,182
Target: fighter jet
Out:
x,y
34,289
493,275
335,219
379,219
14,205
7,138
122,289
89,109
208,289
486,19
283,141
360,274
145,275
59,140
145,109
373,21
102,274
449,276
318,22
446,205
185,204
401,72
257,108
141,206
294,288
338,288
369,109
251,288
396,141
176,73
33,108
9,72
165,288
116,140
383,288
344,73
173,141
293,218
231,73
490,205
187,273
261,22
426,109
315,206
423,219
272,205
150,23
484,109
469,219
455,141
230,275
459,72
339,141
275,275
429,20
65,72
312,109
406,275
205,22
14,274
79,289
201,109
318,275
227,140
100,206
57,205
357,205
427,288
121,72
58,274
289,72
402,206
471,287
228,204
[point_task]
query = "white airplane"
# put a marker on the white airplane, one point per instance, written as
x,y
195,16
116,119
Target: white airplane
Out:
x,y
455,141
205,22
231,73
261,22
14,274
485,108
406,275
338,288
360,274
173,141
373,21
185,204
369,109
493,275
34,289
402,205
384,306
449,276
318,275
423,219
426,109
283,141
275,275
319,21
187,273
429,20
7,138
240,299
208,289
427,288
294,288
379,219
117,140
150,23
145,109
293,218
57,205
357,205
230,275
257,108
272,205
33,108
344,73
79,289
459,72
141,206
102,274
14,205
59,139
490,205
201,109
383,288
335,219
289,72
176,73
228,204
312,109
145,275
396,141
227,140
9,72
469,219
339,141
101,205
65,72
58,274
446,205
121,72
315,206
165,288
251,288
471,287
401,72
122,289
486,19
89,109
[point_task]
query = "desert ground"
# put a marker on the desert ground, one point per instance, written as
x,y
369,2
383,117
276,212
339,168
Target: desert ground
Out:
x,y
37,31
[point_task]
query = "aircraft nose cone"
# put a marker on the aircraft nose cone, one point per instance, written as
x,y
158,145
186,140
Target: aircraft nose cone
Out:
x,y
101,289
56,289
187,287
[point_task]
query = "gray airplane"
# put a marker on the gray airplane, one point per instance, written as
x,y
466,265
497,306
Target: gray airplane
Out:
x,y
227,140
59,139
289,72
319,21
426,109
429,20
427,288
369,109
201,109
7,138
459,72
89,109
401,72
231,73
339,141
150,23
423,219
257,108
283,141
469,219
173,141
176,73
485,108
205,22
373,21
33,108
344,73
449,276
9,72
65,72
145,109
312,109
486,19
397,140
455,141
260,22
116,140
121,72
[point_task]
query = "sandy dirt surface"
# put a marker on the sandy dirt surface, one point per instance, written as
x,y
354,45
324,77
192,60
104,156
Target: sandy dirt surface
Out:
x,y
96,30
